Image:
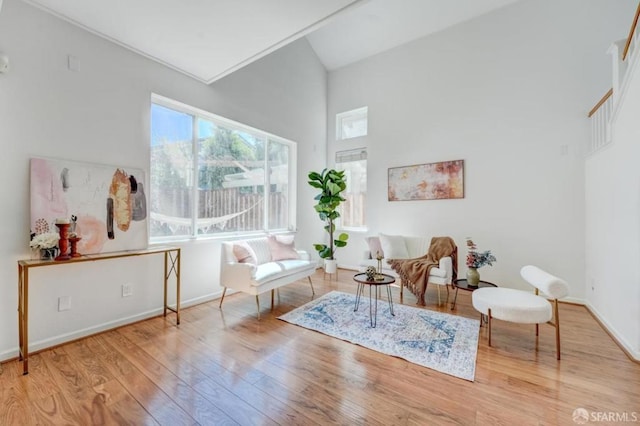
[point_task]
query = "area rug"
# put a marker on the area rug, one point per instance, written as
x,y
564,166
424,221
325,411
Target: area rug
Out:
x,y
442,342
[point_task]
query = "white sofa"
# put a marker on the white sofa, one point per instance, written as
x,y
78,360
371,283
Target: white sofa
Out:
x,y
257,265
405,247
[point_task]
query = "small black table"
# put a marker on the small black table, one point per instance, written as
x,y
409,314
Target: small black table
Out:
x,y
362,280
464,285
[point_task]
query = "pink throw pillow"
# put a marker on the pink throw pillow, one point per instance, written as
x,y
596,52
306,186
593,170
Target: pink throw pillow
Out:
x,y
244,253
282,250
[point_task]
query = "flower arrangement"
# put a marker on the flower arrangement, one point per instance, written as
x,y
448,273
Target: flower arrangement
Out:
x,y
476,259
45,240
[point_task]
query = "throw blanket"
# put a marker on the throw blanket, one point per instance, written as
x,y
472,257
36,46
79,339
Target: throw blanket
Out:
x,y
414,273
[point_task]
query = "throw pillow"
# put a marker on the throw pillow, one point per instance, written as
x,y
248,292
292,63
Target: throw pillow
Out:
x,y
281,250
244,253
260,247
394,246
374,246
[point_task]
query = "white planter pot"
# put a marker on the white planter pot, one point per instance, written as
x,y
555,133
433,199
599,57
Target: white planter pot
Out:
x,y
330,266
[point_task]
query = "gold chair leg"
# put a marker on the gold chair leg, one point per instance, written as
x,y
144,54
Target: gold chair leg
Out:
x,y
401,291
273,291
557,325
258,305
489,325
438,295
313,292
222,298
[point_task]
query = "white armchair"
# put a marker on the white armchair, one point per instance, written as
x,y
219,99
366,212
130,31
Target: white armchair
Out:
x,y
404,247
519,306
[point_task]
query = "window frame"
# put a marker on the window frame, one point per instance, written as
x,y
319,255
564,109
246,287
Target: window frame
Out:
x,y
354,114
232,125
342,157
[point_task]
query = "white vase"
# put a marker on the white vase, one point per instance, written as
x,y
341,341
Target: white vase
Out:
x,y
330,266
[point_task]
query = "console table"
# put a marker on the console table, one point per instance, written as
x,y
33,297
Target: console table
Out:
x,y
171,267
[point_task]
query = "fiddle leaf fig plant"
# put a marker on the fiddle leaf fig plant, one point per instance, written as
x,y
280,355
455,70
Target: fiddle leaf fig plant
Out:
x,y
331,184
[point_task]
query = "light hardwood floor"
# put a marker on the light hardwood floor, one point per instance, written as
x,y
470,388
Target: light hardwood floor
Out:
x,y
225,367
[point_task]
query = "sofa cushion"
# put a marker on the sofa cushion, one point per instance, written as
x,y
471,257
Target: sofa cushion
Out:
x,y
281,250
244,253
374,246
394,246
273,270
260,247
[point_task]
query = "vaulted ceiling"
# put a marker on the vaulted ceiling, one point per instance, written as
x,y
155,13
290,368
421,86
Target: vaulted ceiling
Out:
x,y
208,39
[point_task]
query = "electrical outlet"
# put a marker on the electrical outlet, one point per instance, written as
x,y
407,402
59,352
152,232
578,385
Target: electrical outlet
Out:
x,y
64,303
127,290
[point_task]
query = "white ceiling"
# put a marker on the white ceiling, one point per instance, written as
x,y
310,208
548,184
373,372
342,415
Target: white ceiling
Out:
x,y
208,39
379,25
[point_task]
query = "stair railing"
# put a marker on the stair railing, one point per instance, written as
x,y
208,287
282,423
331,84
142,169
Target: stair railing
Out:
x,y
603,111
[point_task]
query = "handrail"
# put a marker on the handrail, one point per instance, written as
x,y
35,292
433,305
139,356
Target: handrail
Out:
x,y
599,104
631,31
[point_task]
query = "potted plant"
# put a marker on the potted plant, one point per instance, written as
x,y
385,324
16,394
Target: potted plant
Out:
x,y
331,184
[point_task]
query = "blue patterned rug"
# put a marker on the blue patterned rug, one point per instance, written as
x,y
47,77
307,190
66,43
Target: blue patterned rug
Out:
x,y
442,342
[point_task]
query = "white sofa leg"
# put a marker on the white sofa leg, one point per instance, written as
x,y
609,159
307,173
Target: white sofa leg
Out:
x,y
222,298
313,292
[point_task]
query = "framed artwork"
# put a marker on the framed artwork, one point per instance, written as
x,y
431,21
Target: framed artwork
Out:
x,y
433,181
106,204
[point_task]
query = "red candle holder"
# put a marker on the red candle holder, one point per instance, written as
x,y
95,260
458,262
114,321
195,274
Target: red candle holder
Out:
x,y
63,243
74,246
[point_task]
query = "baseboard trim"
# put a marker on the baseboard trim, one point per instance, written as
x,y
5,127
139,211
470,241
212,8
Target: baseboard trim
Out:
x,y
51,342
611,331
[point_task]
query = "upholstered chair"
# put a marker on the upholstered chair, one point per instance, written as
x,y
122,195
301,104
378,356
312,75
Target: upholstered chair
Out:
x,y
520,306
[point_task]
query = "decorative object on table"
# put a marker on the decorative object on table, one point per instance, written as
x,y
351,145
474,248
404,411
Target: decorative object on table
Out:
x,y
63,243
379,276
74,224
331,184
442,342
432,181
370,272
475,260
46,243
73,242
379,259
62,188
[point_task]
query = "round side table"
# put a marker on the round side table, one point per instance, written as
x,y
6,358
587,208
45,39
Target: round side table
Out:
x,y
362,280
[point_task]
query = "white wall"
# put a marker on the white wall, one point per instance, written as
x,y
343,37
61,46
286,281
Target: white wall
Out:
x,y
508,93
613,223
100,114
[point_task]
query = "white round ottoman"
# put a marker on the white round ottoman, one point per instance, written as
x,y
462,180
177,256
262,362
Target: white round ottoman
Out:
x,y
519,306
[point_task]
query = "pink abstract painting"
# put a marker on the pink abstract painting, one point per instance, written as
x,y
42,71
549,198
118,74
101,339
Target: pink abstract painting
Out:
x,y
434,181
107,204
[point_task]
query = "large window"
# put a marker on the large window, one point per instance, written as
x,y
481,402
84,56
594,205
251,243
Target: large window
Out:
x,y
352,211
211,176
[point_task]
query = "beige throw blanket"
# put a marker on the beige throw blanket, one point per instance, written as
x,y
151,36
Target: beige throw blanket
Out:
x,y
414,273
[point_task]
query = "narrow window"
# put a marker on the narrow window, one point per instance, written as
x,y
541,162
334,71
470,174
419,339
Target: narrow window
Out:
x,y
354,164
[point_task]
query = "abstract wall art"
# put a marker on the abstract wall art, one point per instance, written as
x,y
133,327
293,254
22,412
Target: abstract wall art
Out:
x,y
107,204
433,181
